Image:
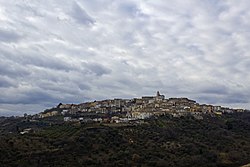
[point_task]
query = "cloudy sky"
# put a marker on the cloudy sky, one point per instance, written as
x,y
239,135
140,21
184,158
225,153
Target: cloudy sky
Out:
x,y
74,51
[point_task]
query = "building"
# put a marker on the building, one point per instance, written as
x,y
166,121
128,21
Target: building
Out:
x,y
159,97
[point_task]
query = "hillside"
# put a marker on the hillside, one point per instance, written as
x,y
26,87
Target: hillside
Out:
x,y
158,141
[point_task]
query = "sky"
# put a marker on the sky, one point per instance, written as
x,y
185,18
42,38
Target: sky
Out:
x,y
74,51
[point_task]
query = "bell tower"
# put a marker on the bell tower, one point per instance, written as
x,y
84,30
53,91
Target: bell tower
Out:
x,y
159,97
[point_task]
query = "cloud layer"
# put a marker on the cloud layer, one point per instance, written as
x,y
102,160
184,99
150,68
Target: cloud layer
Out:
x,y
82,50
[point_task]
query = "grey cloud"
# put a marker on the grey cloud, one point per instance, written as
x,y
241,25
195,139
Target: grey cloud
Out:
x,y
81,15
29,9
6,83
224,99
28,97
9,36
12,69
24,59
83,86
48,62
96,69
37,96
128,8
236,98
215,89
66,86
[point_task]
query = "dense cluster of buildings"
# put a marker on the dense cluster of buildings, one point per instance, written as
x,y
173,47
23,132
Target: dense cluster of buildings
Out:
x,y
123,110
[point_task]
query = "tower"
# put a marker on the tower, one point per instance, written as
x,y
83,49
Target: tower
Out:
x,y
159,97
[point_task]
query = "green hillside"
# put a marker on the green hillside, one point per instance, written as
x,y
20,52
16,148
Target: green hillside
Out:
x,y
163,141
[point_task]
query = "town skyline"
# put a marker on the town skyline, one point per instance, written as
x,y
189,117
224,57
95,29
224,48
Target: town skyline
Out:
x,y
120,110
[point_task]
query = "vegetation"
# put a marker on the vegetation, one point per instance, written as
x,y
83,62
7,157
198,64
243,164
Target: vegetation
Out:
x,y
163,141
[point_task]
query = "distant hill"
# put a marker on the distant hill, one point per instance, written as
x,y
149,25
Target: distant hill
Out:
x,y
157,141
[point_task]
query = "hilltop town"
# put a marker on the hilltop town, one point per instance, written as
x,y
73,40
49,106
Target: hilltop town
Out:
x,y
125,110
145,131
